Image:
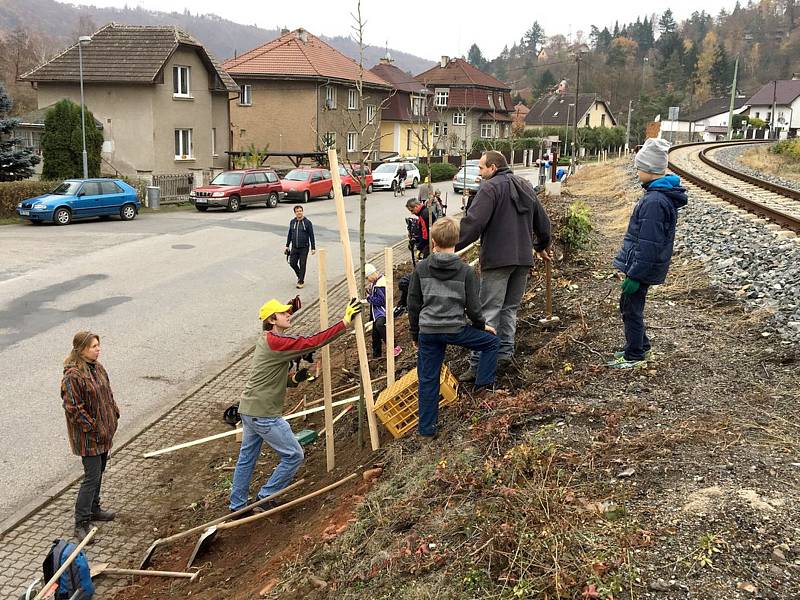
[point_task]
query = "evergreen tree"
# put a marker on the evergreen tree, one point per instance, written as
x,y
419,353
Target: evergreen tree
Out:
x,y
15,163
534,38
667,24
546,81
721,74
61,143
475,57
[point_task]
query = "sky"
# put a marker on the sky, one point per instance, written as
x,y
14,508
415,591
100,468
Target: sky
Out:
x,y
454,26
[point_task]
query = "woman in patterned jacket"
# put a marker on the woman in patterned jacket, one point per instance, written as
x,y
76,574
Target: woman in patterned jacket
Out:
x,y
92,416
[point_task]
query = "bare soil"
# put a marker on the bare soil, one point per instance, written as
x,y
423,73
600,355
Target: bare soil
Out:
x,y
676,480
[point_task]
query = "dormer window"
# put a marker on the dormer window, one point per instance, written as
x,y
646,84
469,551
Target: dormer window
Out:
x,y
490,97
502,102
442,96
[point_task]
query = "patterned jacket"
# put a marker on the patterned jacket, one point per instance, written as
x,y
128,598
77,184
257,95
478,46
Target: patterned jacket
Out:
x,y
90,409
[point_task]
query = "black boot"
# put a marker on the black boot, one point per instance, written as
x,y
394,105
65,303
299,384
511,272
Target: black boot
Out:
x,y
82,530
99,514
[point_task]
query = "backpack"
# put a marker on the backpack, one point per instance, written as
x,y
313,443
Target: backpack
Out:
x,y
76,576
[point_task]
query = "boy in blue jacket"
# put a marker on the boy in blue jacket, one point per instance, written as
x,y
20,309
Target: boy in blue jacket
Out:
x,y
647,248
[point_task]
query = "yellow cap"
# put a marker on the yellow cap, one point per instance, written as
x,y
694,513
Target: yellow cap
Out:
x,y
270,308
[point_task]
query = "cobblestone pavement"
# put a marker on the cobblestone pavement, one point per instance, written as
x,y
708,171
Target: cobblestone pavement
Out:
x,y
130,484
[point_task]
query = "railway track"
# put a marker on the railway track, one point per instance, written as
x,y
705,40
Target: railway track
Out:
x,y
694,163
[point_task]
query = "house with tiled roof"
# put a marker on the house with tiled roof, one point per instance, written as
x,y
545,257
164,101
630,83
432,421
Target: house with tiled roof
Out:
x,y
299,94
161,97
406,116
471,104
784,95
558,110
707,123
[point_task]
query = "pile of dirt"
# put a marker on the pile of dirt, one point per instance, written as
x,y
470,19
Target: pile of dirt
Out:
x,y
679,479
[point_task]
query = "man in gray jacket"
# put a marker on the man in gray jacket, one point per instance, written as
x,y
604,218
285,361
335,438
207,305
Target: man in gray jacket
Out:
x,y
511,224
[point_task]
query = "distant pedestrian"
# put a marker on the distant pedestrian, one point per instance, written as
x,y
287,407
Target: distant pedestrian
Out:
x,y
425,190
400,180
420,233
92,416
376,296
647,247
511,223
299,241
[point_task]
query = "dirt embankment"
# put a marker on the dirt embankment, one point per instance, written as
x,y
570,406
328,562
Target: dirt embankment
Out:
x,y
676,480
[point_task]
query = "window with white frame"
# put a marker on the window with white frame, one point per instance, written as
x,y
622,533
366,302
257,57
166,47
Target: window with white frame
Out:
x,y
425,136
352,141
444,127
441,97
490,97
502,101
352,99
371,110
246,99
330,96
213,141
487,130
459,118
437,128
329,140
417,106
183,144
181,81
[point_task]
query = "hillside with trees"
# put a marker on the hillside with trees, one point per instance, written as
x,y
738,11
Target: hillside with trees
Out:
x,y
657,61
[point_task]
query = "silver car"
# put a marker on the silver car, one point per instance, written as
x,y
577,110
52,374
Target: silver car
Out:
x,y
467,177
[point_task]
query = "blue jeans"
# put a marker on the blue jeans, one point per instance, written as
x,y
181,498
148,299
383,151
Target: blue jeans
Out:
x,y
430,357
632,308
278,434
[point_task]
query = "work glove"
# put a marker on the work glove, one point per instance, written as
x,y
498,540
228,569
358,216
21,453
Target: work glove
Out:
x,y
630,286
351,310
295,304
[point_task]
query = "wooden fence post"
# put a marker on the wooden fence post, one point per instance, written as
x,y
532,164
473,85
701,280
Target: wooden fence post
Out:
x,y
322,257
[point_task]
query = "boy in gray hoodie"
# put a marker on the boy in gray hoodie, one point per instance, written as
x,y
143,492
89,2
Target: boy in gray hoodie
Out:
x,y
442,288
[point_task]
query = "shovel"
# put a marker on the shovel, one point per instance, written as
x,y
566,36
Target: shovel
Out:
x,y
548,282
161,541
211,532
104,569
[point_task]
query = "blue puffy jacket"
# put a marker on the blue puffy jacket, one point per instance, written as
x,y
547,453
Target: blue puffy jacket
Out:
x,y
647,247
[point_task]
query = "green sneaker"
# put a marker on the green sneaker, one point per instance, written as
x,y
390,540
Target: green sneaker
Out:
x,y
621,363
648,356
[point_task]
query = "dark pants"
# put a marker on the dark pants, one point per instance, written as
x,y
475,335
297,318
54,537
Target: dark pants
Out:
x,y
632,308
88,500
297,260
430,357
378,336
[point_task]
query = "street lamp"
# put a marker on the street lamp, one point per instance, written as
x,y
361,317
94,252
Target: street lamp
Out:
x,y
83,40
579,51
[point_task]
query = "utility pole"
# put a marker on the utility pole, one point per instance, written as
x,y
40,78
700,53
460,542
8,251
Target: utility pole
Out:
x,y
628,128
575,126
733,98
772,114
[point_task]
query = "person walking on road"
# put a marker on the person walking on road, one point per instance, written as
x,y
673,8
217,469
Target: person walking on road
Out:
x,y
298,242
92,416
511,223
261,406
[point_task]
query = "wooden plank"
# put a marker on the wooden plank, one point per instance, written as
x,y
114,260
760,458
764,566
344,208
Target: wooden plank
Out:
x,y
327,388
388,265
361,342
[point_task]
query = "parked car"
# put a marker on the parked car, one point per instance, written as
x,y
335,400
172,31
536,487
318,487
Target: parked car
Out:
x,y
306,183
234,189
81,199
351,182
384,176
468,177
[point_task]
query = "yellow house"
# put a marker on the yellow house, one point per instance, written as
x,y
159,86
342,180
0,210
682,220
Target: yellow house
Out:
x,y
404,114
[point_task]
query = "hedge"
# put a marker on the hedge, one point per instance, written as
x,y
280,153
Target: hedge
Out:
x,y
14,192
442,171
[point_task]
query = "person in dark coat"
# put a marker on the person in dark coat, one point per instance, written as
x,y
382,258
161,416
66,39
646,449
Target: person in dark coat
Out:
x,y
426,220
511,224
647,247
298,242
92,416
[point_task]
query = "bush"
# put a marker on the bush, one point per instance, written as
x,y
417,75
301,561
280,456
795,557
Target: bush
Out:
x,y
423,170
14,192
442,171
789,148
576,225
62,146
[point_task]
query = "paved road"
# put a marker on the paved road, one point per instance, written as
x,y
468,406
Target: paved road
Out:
x,y
171,295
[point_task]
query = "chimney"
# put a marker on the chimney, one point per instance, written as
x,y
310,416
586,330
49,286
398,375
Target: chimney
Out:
x,y
386,59
284,30
444,61
302,35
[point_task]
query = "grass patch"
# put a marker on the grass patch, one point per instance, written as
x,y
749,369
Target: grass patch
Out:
x,y
761,158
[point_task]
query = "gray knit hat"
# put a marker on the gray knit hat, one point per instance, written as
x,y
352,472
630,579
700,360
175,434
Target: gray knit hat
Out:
x,y
653,157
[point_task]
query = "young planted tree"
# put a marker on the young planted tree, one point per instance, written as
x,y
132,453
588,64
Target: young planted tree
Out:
x,y
62,146
15,162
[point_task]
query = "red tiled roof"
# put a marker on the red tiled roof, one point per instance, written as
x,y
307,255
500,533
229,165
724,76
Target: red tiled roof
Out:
x,y
399,79
478,98
460,72
127,54
299,54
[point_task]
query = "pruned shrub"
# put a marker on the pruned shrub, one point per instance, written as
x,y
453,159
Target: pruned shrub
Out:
x,y
577,225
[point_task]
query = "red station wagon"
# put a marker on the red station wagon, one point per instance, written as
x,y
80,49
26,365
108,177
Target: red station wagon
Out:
x,y
232,189
306,183
351,182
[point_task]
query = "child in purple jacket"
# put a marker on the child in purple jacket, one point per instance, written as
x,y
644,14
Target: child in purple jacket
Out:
x,y
376,296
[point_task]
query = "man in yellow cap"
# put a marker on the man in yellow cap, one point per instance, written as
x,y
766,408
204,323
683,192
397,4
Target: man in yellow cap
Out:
x,y
262,401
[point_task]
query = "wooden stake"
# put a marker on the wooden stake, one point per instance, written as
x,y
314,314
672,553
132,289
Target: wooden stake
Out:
x,y
327,397
361,342
219,436
339,416
388,266
65,565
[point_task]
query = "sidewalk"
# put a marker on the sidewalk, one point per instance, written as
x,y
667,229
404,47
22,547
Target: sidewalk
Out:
x,y
131,483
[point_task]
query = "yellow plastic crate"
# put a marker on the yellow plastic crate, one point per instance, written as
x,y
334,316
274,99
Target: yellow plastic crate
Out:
x,y
397,406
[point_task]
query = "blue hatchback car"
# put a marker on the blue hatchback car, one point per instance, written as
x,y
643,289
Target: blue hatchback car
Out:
x,y
81,199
